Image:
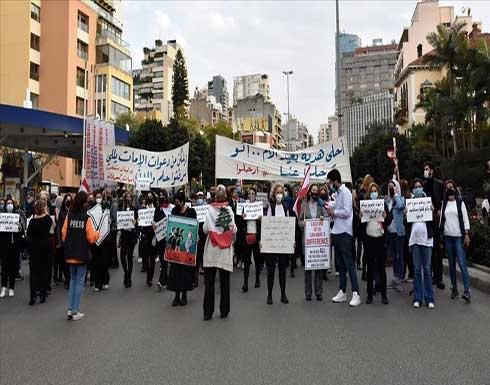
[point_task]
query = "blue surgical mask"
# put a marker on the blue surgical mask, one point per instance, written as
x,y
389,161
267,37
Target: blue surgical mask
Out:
x,y
418,192
200,201
374,195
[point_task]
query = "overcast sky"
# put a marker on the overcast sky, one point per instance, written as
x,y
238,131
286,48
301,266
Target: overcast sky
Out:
x,y
239,38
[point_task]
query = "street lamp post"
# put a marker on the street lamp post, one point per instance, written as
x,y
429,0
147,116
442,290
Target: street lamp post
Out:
x,y
287,73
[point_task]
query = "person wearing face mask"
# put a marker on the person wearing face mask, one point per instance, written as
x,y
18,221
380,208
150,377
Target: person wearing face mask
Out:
x,y
433,188
2,205
201,241
164,210
421,242
341,212
180,277
11,246
289,200
147,243
62,271
396,232
212,193
29,204
127,241
277,209
238,245
114,208
251,231
311,208
375,250
101,253
455,230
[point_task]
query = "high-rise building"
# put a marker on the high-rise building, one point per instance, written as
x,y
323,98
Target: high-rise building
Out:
x,y
251,85
219,89
328,131
66,57
153,84
349,42
366,71
296,135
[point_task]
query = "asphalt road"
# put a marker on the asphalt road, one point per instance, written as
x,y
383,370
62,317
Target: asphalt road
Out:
x,y
134,336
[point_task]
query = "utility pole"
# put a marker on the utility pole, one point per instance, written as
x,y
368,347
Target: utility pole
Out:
x,y
337,70
287,73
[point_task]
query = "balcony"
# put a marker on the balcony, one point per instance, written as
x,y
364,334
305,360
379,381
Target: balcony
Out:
x,y
106,36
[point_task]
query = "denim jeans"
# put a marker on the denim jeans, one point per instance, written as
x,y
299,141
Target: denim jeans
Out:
x,y
455,250
422,284
344,254
395,247
77,280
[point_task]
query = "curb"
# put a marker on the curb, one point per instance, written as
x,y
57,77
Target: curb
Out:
x,y
479,275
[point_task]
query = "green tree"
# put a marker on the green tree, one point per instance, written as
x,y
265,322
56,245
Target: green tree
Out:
x,y
151,136
129,119
180,87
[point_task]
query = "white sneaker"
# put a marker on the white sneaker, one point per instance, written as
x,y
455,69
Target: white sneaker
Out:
x,y
432,305
69,315
159,286
96,289
356,299
340,297
78,316
105,287
11,292
3,292
140,260
416,304
337,274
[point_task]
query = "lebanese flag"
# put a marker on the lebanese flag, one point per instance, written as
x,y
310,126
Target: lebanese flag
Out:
x,y
303,192
84,186
218,236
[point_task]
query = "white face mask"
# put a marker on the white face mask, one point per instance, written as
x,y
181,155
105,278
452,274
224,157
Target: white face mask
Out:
x,y
98,200
426,174
279,197
10,207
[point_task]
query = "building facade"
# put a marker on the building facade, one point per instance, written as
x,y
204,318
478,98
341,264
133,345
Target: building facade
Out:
x,y
219,89
251,85
54,56
206,110
296,135
153,83
328,131
349,42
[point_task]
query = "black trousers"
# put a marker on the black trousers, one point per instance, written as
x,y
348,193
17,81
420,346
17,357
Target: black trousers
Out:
x,y
224,281
58,266
101,263
163,277
247,259
10,266
436,258
148,258
408,260
113,248
375,253
38,273
127,261
282,261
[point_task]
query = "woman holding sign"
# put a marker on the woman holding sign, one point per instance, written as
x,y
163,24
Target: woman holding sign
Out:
x,y
311,209
374,242
180,277
128,241
455,228
11,245
251,230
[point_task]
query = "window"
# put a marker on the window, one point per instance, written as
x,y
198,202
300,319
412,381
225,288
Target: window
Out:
x,y
158,74
82,21
34,100
81,77
35,12
35,42
419,50
82,49
78,167
34,71
100,109
120,88
108,54
158,95
117,109
101,83
157,106
80,106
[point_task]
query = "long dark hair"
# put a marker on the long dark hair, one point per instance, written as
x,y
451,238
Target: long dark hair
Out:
x,y
310,188
78,204
63,203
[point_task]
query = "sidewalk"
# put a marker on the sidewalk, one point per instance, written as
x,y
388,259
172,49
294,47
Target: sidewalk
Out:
x,y
479,276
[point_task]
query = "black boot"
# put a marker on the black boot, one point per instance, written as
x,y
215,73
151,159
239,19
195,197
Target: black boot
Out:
x,y
183,300
176,301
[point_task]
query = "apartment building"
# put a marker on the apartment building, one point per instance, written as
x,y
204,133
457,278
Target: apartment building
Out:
x,y
251,85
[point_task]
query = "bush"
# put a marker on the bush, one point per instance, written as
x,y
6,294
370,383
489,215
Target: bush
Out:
x,y
479,251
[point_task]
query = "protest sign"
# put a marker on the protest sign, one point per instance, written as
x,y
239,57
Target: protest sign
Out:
x,y
317,244
145,217
161,229
162,169
181,244
262,197
236,160
278,235
9,223
101,221
372,210
125,220
252,210
201,212
419,210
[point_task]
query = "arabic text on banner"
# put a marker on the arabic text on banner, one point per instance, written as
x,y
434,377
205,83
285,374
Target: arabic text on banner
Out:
x,y
235,160
9,223
372,210
162,169
125,220
181,237
145,217
419,210
317,244
278,235
98,135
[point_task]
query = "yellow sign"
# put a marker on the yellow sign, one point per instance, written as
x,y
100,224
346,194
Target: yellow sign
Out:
x,y
253,124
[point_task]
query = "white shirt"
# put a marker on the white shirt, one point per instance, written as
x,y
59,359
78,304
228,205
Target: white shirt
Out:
x,y
451,225
251,227
374,229
279,211
418,236
343,213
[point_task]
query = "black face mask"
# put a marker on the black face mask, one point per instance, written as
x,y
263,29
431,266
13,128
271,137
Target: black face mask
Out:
x,y
314,196
450,192
324,196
